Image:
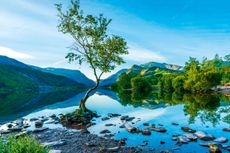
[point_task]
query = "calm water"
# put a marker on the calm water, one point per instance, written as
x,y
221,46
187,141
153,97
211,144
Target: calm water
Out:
x,y
205,113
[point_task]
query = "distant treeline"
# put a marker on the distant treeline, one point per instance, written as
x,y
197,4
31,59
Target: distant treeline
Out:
x,y
197,77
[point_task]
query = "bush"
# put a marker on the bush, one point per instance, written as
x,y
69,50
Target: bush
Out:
x,y
21,145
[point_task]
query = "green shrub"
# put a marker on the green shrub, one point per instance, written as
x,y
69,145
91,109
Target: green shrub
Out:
x,y
21,145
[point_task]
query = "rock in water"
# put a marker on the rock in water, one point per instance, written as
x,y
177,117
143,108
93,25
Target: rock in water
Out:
x,y
105,131
183,139
38,124
145,132
187,129
191,137
132,129
221,140
163,130
200,134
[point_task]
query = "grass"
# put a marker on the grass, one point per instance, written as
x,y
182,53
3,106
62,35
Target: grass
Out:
x,y
21,145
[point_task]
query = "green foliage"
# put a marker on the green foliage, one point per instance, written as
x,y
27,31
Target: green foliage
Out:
x,y
21,145
140,85
178,83
124,81
92,44
165,83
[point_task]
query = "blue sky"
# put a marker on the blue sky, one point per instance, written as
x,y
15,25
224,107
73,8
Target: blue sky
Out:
x,y
156,30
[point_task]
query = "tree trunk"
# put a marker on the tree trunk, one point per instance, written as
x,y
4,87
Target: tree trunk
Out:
x,y
83,101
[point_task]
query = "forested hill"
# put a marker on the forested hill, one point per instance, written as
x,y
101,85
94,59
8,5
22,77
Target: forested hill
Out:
x,y
18,76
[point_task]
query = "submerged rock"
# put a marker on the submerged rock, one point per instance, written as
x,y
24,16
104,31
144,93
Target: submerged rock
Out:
x,y
187,129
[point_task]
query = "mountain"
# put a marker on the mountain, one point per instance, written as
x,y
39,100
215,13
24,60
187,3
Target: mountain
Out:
x,y
162,66
10,61
113,78
16,75
75,75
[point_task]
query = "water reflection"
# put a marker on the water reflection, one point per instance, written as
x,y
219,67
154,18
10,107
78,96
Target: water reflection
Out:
x,y
205,107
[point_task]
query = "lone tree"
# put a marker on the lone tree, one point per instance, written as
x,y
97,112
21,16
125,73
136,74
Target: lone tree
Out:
x,y
92,44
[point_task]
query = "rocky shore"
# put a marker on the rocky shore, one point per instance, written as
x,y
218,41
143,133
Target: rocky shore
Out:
x,y
65,140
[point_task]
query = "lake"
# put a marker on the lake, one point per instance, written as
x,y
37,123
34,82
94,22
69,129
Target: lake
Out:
x,y
208,113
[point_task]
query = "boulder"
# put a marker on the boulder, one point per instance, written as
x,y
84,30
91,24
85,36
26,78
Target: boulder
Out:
x,y
146,124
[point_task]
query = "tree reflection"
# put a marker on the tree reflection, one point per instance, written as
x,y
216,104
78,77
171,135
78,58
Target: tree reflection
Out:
x,y
204,107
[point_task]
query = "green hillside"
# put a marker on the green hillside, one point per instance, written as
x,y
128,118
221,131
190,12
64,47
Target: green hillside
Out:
x,y
19,78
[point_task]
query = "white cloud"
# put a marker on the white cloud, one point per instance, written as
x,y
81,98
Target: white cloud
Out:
x,y
142,55
14,54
